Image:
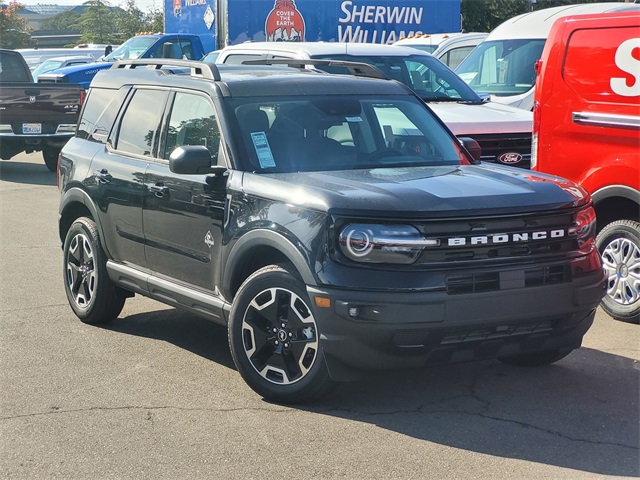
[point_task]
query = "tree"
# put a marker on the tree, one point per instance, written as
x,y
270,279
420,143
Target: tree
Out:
x,y
485,15
130,20
97,23
14,30
68,20
155,20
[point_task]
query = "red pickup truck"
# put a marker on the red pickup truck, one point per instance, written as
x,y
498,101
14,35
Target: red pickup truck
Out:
x,y
586,128
34,117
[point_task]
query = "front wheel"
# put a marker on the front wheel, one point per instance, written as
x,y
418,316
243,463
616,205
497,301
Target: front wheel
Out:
x,y
89,289
50,155
619,246
274,338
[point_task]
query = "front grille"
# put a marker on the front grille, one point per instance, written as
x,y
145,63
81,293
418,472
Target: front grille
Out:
x,y
494,281
496,244
496,147
435,338
491,333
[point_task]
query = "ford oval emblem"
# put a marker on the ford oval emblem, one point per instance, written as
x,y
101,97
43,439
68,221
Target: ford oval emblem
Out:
x,y
510,158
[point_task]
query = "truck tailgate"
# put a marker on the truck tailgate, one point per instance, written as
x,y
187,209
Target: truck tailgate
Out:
x,y
32,107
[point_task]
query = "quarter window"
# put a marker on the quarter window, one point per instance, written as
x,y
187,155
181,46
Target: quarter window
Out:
x,y
140,122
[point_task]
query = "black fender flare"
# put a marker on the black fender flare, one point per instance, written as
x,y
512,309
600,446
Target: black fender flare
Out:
x,y
611,191
267,238
73,196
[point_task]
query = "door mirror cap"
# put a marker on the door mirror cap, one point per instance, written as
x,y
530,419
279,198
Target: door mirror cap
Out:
x,y
472,147
192,160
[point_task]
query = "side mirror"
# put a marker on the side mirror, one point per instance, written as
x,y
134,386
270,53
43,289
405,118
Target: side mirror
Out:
x,y
472,147
107,50
192,160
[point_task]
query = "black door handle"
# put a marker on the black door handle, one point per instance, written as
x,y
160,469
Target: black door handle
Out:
x,y
103,176
159,190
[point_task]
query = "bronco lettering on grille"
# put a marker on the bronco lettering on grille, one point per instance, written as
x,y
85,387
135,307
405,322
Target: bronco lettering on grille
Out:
x,y
504,238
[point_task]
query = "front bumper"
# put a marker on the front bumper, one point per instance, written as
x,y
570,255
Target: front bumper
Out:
x,y
384,330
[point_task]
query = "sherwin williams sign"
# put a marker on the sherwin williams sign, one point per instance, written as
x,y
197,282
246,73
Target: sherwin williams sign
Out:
x,y
369,21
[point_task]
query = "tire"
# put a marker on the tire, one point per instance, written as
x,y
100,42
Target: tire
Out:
x,y
274,338
50,155
536,359
89,289
619,245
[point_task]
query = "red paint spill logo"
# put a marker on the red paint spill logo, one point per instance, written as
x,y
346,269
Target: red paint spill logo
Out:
x,y
284,23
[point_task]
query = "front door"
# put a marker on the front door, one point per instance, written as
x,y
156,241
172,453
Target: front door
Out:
x,y
183,214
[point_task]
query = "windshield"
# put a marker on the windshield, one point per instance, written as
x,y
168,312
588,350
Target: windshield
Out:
x,y
502,67
45,67
426,75
340,133
132,48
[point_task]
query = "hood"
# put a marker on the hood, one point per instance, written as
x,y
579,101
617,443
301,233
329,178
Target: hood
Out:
x,y
487,118
419,191
84,68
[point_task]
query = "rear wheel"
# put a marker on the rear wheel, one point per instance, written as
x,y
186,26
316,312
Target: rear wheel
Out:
x,y
50,155
89,289
619,246
274,338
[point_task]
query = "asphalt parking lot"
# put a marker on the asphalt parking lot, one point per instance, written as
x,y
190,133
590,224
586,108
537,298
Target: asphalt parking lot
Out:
x,y
155,393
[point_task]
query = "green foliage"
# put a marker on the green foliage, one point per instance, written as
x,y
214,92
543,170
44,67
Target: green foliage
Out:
x,y
97,23
63,21
485,15
130,21
14,31
155,20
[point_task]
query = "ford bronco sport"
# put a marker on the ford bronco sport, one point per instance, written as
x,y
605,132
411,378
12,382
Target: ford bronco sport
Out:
x,y
333,222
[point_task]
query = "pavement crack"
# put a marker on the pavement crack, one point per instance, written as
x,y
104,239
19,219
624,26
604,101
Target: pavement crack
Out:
x,y
148,409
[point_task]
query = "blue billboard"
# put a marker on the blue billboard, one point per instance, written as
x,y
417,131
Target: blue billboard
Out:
x,y
368,21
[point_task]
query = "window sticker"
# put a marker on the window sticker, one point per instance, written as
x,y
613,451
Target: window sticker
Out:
x,y
263,150
353,119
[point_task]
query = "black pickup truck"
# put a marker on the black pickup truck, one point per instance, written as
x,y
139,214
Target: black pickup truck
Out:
x,y
34,117
333,222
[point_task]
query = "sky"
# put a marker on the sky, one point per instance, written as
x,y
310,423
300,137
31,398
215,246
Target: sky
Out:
x,y
143,5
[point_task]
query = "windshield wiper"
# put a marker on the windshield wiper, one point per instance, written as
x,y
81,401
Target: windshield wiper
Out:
x,y
440,98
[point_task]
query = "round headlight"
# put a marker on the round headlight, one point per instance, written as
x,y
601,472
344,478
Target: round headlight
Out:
x,y
359,243
377,243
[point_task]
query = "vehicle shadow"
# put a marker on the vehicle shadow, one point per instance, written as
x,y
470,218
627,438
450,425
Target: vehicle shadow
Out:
x,y
194,334
581,413
26,173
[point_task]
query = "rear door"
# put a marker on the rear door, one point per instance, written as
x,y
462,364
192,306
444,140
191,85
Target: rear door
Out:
x,y
118,173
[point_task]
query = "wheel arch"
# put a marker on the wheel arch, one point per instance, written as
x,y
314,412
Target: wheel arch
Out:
x,y
76,203
615,202
258,249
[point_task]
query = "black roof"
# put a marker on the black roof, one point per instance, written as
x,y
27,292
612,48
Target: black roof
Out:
x,y
249,81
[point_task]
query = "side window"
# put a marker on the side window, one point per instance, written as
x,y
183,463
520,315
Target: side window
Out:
x,y
192,122
453,57
105,121
187,50
140,122
96,102
237,59
165,50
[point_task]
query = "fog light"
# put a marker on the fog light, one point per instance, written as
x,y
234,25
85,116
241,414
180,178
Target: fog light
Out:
x,y
354,312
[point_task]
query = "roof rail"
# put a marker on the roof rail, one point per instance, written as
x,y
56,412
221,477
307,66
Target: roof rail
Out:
x,y
358,69
198,69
